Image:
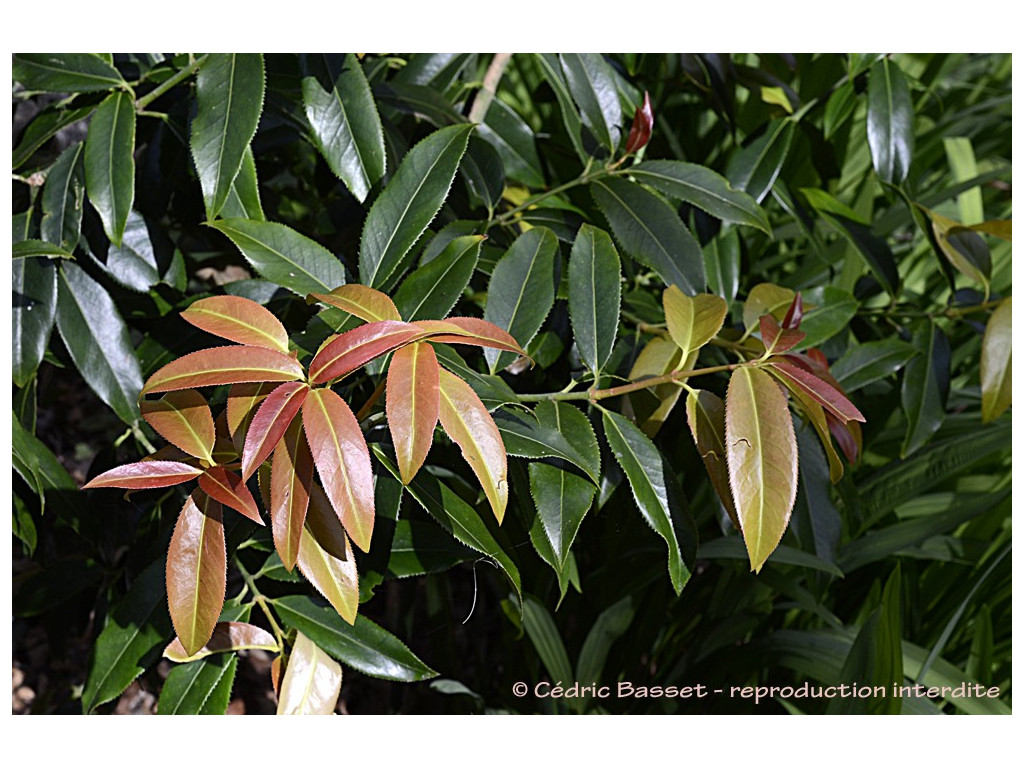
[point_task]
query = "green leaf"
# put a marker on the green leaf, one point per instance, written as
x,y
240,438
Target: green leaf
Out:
x,y
484,174
201,687
543,634
870,362
595,287
890,121
651,232
131,640
345,123
648,478
839,108
562,499
68,72
229,98
705,414
564,434
925,387
492,390
816,521
64,199
37,249
283,256
610,625
522,290
109,163
43,128
97,339
722,264
408,204
964,167
32,313
421,547
592,84
513,140
754,168
874,250
833,311
430,292
133,263
364,646
37,465
702,187
996,362
552,71
243,202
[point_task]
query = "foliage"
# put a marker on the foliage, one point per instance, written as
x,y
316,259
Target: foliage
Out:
x,y
294,269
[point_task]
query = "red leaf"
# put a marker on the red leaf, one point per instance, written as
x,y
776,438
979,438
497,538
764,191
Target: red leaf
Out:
x,y
413,401
243,400
470,330
145,474
847,435
227,636
362,301
356,348
794,314
237,319
342,461
224,365
269,424
183,419
291,477
777,339
196,571
643,125
229,489
831,399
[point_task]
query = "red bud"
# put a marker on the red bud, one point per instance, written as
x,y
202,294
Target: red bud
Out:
x,y
795,313
643,124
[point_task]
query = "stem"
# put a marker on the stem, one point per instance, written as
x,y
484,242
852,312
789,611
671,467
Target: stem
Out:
x,y
143,101
593,395
484,97
261,601
583,178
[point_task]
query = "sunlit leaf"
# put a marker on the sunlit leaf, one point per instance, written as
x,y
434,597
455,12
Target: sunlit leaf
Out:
x,y
326,558
243,401
291,482
227,636
354,349
592,85
413,403
229,489
890,121
692,321
224,365
365,303
820,390
705,413
239,320
183,418
145,474
594,295
311,683
472,331
766,299
996,367
68,72
269,424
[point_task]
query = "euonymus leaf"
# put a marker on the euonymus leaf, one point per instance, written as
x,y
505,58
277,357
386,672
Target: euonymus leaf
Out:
x,y
312,681
890,121
870,362
925,387
430,292
592,85
67,72
229,98
996,367
594,295
33,310
109,163
64,199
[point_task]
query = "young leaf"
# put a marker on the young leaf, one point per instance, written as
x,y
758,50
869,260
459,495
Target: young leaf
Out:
x,y
594,295
996,368
820,390
312,681
227,636
109,162
431,291
291,481
592,85
762,459
145,474
269,424
643,126
413,403
64,199
470,426
692,322
776,339
66,72
223,365
354,349
326,558
229,489
365,303
766,299
925,387
196,571
243,401
229,98
409,202
33,311
705,413
183,418
890,121
239,320
342,461
472,331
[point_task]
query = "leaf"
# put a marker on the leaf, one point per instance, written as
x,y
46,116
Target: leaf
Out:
x,y
364,646
223,365
283,256
870,362
821,391
345,123
431,291
522,289
472,331
33,309
483,173
200,687
243,200
37,465
556,430
98,341
890,121
996,367
705,413
825,424
839,108
544,635
594,295
243,402
37,249
513,140
227,636
754,168
651,232
702,187
196,571
762,457
832,315
64,199
551,68
354,349
651,406
692,321
342,461
311,683
766,299
964,167
776,338
646,471
68,72
471,427
643,126
239,320
610,625
109,162
183,419
492,390
129,642
133,262
44,127
291,482
229,489
365,303
413,403
962,247
722,264
409,202
270,423
925,387
592,85
562,499
815,520
326,558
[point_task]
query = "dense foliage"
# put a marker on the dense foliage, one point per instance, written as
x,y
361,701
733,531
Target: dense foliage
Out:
x,y
525,375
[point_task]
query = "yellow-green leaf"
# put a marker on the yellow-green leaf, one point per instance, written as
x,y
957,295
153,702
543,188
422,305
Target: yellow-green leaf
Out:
x,y
326,558
692,321
227,636
766,299
996,349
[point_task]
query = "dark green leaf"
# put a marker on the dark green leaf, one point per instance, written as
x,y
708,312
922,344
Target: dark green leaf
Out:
x,y
833,311
754,168
421,101
839,108
67,72
870,362
925,387
201,687
33,309
133,263
24,526
109,162
874,250
552,70
484,174
37,465
562,499
37,249
528,438
594,295
64,199
815,521
722,264
544,636
430,292
243,202
890,121
492,390
592,85
419,548
512,138
610,625
45,126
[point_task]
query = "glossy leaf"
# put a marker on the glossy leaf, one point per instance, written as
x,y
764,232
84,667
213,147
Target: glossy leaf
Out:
x,y
311,683
33,309
702,187
820,390
342,461
925,387
270,423
555,430
243,402
200,687
652,406
471,427
705,413
651,232
410,201
692,321
754,168
354,349
196,571
762,458
483,173
643,126
291,483
870,362
230,490
646,470
44,127
562,499
514,142
551,67
133,263
365,303
594,295
223,365
592,85
816,522
766,299
431,291
283,256
109,162
825,424
890,121
831,316
64,199
227,636
996,366
962,247
38,249
522,289
776,339
472,331
492,390
413,403
326,558
243,200
239,320
183,419
345,123
68,72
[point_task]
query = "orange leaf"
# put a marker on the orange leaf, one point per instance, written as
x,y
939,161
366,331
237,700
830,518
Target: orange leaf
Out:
x,y
357,347
224,365
145,474
229,489
227,636
342,461
237,319
291,477
468,423
243,400
362,301
183,419
196,571
471,330
326,558
413,402
269,424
